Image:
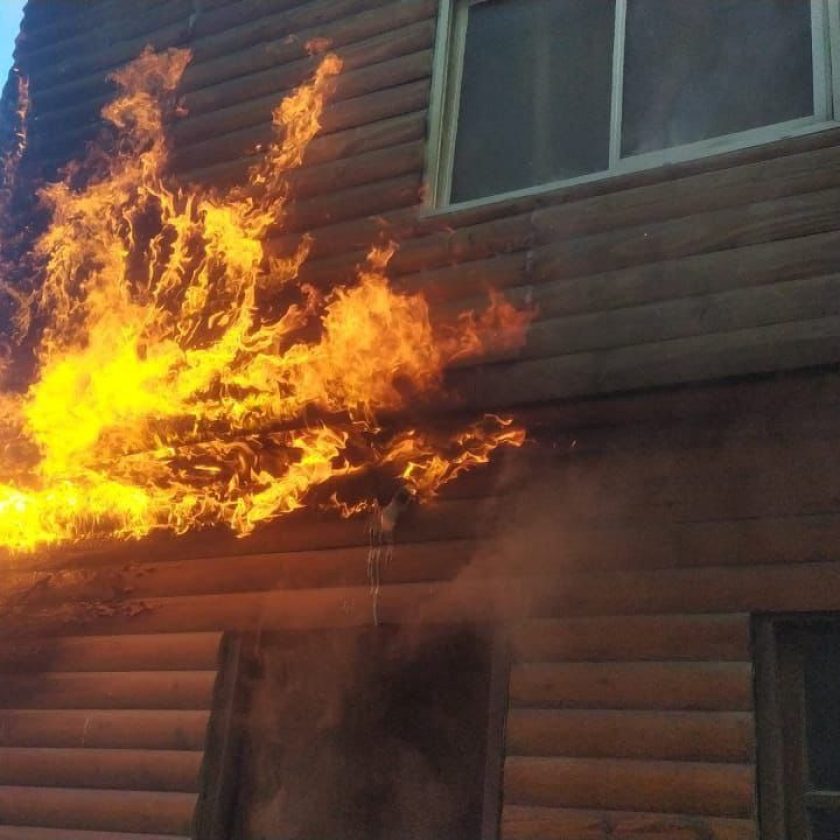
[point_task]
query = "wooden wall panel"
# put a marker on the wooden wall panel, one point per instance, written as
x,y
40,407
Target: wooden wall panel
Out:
x,y
95,743
11,832
631,683
621,251
540,823
160,729
631,638
667,786
675,736
132,811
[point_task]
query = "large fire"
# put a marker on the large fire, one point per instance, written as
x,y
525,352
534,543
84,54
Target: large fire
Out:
x,y
184,375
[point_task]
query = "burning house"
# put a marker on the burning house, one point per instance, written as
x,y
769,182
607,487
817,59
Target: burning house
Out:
x,y
419,420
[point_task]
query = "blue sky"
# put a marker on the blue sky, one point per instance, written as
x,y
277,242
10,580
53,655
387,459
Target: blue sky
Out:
x,y
10,14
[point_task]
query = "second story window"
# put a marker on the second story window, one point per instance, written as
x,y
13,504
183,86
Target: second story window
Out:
x,y
536,92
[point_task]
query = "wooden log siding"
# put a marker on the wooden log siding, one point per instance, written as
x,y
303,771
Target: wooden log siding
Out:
x,y
96,741
673,515
646,661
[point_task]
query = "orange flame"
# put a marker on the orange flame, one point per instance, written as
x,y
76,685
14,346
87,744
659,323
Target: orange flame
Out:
x,y
178,361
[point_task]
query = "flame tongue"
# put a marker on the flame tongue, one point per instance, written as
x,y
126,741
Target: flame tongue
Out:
x,y
171,347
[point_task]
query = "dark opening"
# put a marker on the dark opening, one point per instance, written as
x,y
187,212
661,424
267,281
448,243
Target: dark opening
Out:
x,y
799,726
373,734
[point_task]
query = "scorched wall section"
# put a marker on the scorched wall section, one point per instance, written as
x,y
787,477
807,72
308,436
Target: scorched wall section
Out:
x,y
626,550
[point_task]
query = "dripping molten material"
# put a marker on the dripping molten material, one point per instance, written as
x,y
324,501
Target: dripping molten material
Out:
x,y
184,375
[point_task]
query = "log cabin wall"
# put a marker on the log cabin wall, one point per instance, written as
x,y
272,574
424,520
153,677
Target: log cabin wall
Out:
x,y
682,390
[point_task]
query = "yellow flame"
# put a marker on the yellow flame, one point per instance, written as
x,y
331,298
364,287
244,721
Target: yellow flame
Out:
x,y
184,375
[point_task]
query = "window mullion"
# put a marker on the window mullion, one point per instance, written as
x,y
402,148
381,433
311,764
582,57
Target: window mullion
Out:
x,y
617,82
822,59
459,12
833,63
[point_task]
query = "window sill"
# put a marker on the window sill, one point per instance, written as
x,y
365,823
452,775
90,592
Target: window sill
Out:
x,y
643,170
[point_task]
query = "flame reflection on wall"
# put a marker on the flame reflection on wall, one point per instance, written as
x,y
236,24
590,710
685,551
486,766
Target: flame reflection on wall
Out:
x,y
184,374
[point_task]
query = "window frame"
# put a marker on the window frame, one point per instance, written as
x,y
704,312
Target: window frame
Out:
x,y
240,668
444,108
784,792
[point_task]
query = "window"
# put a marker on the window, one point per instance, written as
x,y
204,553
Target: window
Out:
x,y
530,93
798,681
371,733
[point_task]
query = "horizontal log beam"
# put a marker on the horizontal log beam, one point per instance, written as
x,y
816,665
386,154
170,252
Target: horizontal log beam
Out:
x,y
110,690
353,203
47,45
82,76
162,729
783,588
349,85
122,769
700,274
11,832
719,790
227,160
536,823
734,310
68,127
145,812
719,230
650,637
111,44
775,348
338,22
475,597
277,79
619,685
675,736
176,652
467,600
675,197
357,170
453,517
167,577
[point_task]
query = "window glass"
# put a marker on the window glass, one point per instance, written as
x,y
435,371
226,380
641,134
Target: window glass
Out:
x,y
369,734
825,825
822,715
696,70
535,95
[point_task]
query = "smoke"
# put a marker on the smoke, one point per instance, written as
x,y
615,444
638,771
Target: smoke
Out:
x,y
365,734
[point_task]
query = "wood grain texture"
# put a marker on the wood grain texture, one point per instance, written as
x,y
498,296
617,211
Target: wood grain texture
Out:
x,y
713,637
677,736
540,823
122,769
621,685
724,790
167,577
109,690
145,812
183,651
226,159
11,832
698,359
804,586
160,729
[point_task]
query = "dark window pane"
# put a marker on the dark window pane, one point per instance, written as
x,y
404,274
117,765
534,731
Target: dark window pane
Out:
x,y
822,700
371,734
825,825
535,95
695,70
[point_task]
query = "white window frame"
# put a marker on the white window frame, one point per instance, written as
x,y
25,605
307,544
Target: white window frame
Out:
x,y
446,91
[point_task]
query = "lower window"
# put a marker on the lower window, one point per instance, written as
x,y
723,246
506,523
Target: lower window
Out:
x,y
798,709
372,734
